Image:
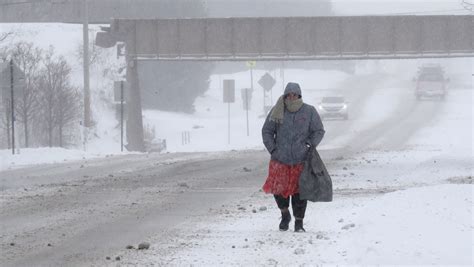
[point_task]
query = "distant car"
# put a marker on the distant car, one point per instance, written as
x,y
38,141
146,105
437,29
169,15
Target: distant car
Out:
x,y
333,107
430,82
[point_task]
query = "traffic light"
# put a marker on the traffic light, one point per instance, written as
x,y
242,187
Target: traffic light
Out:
x,y
105,38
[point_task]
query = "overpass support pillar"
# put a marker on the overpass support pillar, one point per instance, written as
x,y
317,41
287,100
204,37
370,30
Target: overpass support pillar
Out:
x,y
134,128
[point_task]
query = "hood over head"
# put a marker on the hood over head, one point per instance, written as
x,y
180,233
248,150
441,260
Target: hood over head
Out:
x,y
292,88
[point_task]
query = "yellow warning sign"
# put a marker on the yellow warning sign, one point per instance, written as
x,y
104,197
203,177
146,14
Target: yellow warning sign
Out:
x,y
251,64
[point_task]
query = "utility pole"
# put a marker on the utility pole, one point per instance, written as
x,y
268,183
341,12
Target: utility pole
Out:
x,y
121,115
247,108
12,107
282,75
85,33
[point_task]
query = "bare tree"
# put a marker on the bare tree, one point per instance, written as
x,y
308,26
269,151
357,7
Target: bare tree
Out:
x,y
46,101
68,109
59,101
5,35
52,78
28,58
3,53
468,5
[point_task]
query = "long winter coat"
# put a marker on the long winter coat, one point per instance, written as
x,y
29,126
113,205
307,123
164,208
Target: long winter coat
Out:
x,y
289,142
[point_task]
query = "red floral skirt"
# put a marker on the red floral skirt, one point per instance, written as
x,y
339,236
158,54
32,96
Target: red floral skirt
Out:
x,y
282,179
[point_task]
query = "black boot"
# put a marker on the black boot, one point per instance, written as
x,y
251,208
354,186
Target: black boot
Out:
x,y
299,225
285,221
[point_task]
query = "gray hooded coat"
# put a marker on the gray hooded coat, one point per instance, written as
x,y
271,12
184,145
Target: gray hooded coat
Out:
x,y
289,142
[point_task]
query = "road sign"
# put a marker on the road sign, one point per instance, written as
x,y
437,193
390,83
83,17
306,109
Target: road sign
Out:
x,y
229,91
251,64
267,82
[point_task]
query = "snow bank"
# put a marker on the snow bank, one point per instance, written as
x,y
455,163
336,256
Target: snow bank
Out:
x,y
428,225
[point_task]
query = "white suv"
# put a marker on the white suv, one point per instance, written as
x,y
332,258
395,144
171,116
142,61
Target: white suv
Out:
x,y
431,82
333,107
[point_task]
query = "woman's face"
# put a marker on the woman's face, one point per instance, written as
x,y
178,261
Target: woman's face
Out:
x,y
292,96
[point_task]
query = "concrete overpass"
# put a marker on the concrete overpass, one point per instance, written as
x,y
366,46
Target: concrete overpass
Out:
x,y
294,38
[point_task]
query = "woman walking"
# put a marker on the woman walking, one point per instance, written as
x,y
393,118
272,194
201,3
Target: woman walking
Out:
x,y
290,130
